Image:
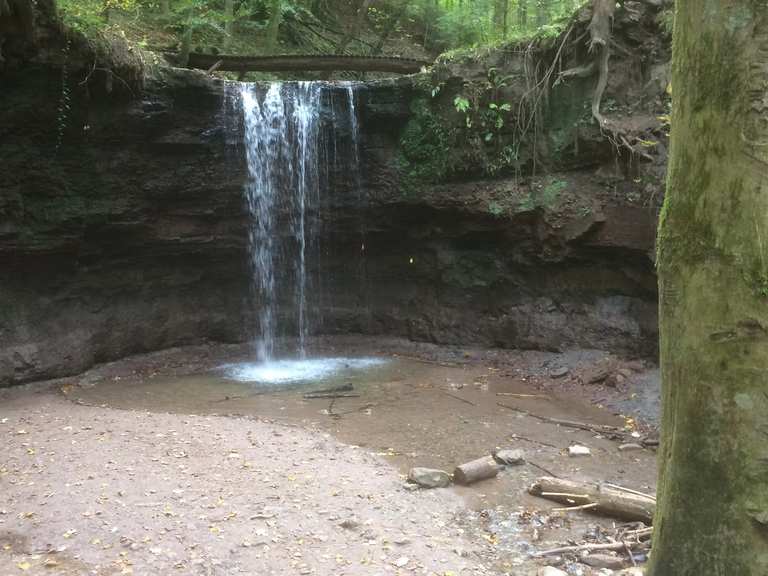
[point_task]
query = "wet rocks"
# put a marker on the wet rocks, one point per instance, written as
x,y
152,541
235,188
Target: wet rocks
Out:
x,y
577,450
509,457
550,571
429,477
603,561
559,372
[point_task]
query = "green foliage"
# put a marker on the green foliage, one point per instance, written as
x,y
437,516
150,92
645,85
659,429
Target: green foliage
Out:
x,y
461,104
495,209
425,145
543,196
311,26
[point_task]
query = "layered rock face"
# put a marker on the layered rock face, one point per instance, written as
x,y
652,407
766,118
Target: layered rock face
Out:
x,y
123,229
124,234
560,260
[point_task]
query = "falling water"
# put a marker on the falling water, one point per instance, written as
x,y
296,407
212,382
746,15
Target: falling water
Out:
x,y
288,151
280,136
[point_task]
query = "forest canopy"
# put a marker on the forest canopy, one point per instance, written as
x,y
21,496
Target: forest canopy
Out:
x,y
370,27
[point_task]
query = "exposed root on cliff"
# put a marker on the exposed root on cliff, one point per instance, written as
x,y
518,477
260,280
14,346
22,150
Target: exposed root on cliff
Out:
x,y
599,42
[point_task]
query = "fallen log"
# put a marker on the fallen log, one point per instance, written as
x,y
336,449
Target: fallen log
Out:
x,y
608,501
291,62
475,470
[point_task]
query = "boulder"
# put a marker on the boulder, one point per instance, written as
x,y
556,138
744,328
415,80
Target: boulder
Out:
x,y
429,477
509,457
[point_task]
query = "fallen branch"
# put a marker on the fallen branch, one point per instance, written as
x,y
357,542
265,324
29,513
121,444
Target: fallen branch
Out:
x,y
522,395
608,501
459,398
630,491
215,67
532,441
539,467
588,547
316,395
573,508
611,431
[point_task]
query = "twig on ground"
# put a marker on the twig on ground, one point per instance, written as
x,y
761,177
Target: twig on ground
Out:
x,y
523,395
537,466
573,508
596,428
532,441
587,547
629,490
459,398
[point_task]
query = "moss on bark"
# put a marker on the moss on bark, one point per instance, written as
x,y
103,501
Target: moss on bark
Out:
x,y
713,498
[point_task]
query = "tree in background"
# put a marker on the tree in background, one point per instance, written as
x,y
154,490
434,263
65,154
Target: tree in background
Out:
x,y
345,26
712,516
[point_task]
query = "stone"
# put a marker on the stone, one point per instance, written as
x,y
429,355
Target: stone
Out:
x,y
603,561
509,457
630,447
550,571
429,477
559,372
350,524
402,561
577,450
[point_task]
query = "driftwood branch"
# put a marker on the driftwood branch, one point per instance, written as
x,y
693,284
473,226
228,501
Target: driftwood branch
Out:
x,y
590,548
608,501
610,431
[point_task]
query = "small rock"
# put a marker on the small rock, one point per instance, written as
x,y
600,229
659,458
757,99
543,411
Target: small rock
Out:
x,y
350,524
550,571
634,571
630,447
429,477
578,450
559,372
603,561
509,457
402,561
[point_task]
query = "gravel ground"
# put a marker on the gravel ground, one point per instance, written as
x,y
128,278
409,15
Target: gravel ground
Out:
x,y
93,490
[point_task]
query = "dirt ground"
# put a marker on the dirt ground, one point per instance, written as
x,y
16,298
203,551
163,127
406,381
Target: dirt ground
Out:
x,y
152,465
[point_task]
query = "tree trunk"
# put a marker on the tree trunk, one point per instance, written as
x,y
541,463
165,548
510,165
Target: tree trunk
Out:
x,y
229,16
522,14
499,17
186,39
712,514
362,14
273,26
392,22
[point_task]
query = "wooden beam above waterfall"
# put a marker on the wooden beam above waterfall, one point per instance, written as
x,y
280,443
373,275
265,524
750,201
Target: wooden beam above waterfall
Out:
x,y
288,63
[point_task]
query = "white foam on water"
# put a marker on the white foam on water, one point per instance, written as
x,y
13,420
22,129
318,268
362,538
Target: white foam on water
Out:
x,y
289,371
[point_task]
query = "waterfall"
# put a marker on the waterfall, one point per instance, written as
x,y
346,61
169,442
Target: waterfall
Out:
x,y
280,136
288,144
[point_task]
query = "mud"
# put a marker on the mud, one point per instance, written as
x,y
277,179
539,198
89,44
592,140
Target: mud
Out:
x,y
426,406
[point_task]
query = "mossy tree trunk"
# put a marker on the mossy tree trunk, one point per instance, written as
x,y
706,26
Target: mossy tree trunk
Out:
x,y
712,517
229,17
273,26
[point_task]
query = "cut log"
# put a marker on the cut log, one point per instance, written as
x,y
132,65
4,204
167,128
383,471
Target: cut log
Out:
x,y
608,501
476,470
